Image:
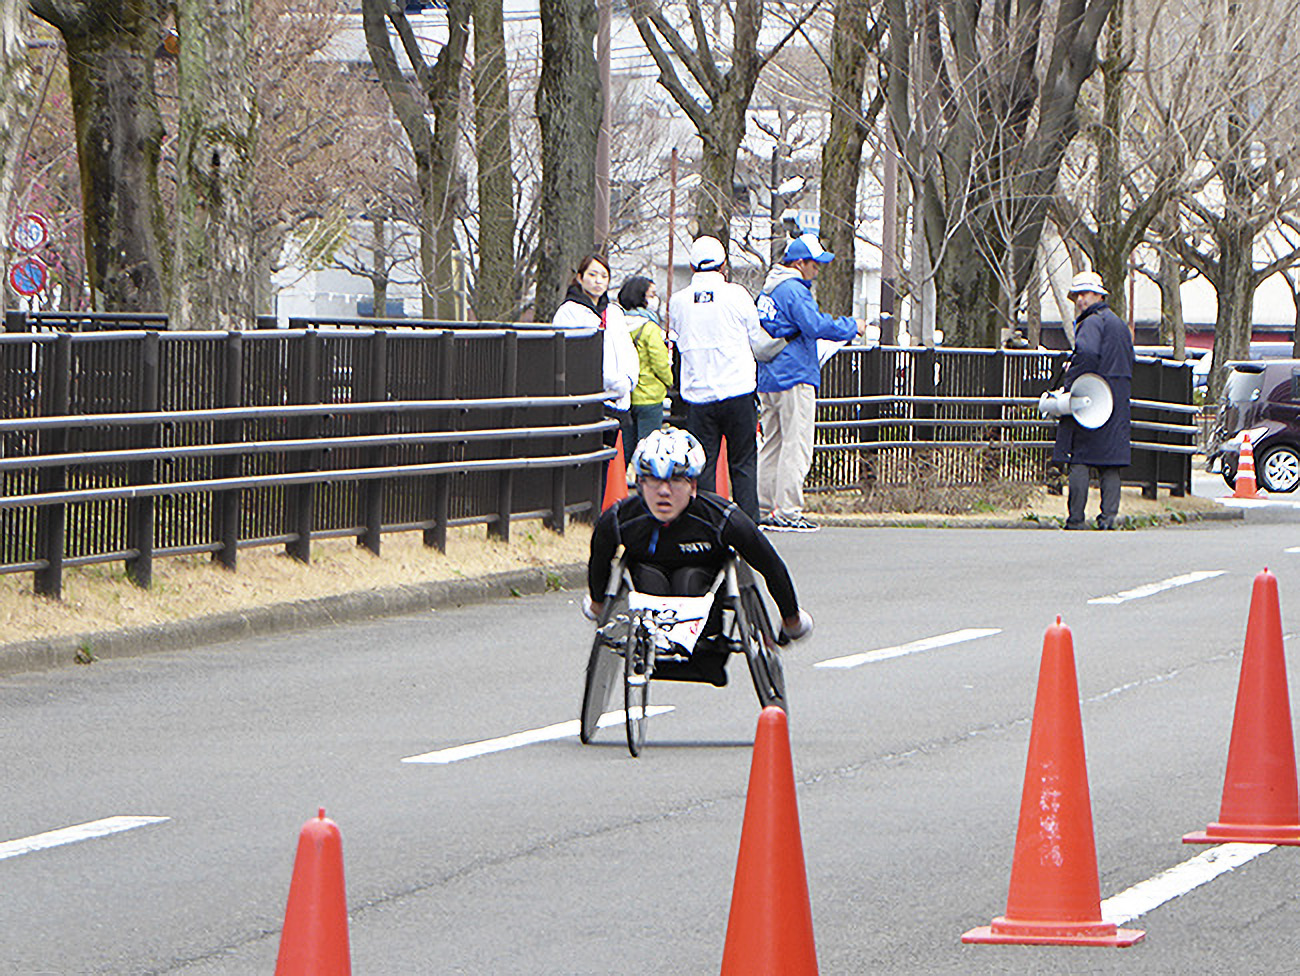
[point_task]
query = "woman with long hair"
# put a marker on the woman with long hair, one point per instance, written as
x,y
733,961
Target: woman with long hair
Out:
x,y
587,306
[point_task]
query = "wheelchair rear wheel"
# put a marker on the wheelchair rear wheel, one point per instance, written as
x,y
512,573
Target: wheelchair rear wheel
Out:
x,y
758,641
603,669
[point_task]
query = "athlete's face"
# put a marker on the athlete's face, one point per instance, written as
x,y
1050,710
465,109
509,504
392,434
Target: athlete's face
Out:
x,y
595,280
667,498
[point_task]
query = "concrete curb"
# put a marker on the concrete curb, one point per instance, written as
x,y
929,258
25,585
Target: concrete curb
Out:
x,y
1002,522
62,651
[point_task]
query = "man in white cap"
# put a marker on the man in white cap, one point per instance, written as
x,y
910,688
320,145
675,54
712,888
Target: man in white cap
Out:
x,y
1102,345
715,322
788,381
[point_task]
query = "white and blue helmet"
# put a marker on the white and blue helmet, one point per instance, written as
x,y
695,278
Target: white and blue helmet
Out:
x,y
668,453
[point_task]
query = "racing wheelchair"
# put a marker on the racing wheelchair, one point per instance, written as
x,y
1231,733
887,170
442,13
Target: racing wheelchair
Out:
x,y
641,636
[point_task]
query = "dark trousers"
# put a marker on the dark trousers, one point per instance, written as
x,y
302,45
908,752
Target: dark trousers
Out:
x,y
626,427
1080,475
736,419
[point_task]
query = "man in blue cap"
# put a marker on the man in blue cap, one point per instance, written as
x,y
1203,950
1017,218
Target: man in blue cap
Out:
x,y
789,380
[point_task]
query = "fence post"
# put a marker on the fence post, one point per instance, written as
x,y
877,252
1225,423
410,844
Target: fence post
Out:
x,y
16,321
994,368
372,492
228,505
51,520
300,500
436,536
559,476
140,511
500,529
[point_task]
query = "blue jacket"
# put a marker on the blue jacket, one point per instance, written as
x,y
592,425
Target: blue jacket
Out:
x,y
787,310
1102,345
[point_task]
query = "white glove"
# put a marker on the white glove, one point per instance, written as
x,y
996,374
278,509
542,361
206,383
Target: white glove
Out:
x,y
587,611
803,630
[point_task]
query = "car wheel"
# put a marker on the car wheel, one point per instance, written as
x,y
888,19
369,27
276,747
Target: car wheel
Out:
x,y
1279,469
1229,472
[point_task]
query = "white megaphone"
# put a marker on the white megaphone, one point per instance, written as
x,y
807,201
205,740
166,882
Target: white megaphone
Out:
x,y
1088,401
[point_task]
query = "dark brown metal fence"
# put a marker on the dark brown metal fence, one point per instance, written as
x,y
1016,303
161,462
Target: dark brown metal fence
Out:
x,y
975,412
120,446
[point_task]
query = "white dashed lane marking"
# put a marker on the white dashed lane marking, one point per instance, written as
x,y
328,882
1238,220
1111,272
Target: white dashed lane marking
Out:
x,y
915,647
1151,589
71,835
1178,880
548,733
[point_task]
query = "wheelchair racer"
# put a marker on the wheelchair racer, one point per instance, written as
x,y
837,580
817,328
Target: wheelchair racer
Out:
x,y
676,539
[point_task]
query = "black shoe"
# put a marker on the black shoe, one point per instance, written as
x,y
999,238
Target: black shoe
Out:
x,y
1070,526
1105,524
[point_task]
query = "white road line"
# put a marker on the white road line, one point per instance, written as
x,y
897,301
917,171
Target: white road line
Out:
x,y
71,835
915,647
561,730
1150,589
1178,880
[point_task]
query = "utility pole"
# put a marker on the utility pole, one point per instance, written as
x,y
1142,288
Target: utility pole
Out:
x,y
889,248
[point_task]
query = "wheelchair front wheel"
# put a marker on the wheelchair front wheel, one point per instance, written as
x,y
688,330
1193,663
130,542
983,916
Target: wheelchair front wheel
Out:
x,y
636,690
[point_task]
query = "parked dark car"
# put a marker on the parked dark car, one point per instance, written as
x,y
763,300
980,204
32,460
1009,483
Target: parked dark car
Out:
x,y
1262,399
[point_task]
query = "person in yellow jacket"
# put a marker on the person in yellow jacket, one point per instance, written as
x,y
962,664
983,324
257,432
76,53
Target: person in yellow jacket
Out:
x,y
640,306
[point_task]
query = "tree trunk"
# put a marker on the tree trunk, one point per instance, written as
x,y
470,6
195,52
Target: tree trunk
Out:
x,y
1236,292
568,114
444,99
495,299
111,45
842,154
379,265
215,285
434,151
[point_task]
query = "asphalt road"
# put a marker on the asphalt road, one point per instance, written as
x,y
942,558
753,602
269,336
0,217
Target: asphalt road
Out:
x,y
554,858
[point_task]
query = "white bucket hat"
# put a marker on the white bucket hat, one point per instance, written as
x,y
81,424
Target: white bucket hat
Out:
x,y
1086,281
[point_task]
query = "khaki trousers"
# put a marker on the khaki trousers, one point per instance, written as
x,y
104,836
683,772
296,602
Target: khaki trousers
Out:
x,y
786,450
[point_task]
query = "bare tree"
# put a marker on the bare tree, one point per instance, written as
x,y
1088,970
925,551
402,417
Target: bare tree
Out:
x,y
568,114
716,100
214,271
1251,163
436,89
983,103
855,38
494,292
111,47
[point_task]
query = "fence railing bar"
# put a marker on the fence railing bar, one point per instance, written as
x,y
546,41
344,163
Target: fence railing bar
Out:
x,y
302,478
290,411
1188,449
274,447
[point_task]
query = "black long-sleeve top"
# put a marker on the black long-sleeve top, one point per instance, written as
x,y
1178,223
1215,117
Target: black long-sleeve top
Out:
x,y
707,531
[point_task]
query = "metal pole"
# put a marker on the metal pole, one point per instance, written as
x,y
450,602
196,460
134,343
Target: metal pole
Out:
x,y
889,248
672,230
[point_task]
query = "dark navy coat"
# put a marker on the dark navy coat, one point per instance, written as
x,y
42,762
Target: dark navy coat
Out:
x,y
1102,345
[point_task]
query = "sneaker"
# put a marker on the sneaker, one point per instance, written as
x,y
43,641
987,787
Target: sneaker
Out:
x,y
797,523
771,523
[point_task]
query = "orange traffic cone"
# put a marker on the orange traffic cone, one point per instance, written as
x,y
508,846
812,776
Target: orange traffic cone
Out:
x,y
1260,803
1055,895
314,941
722,483
770,929
615,476
1244,486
